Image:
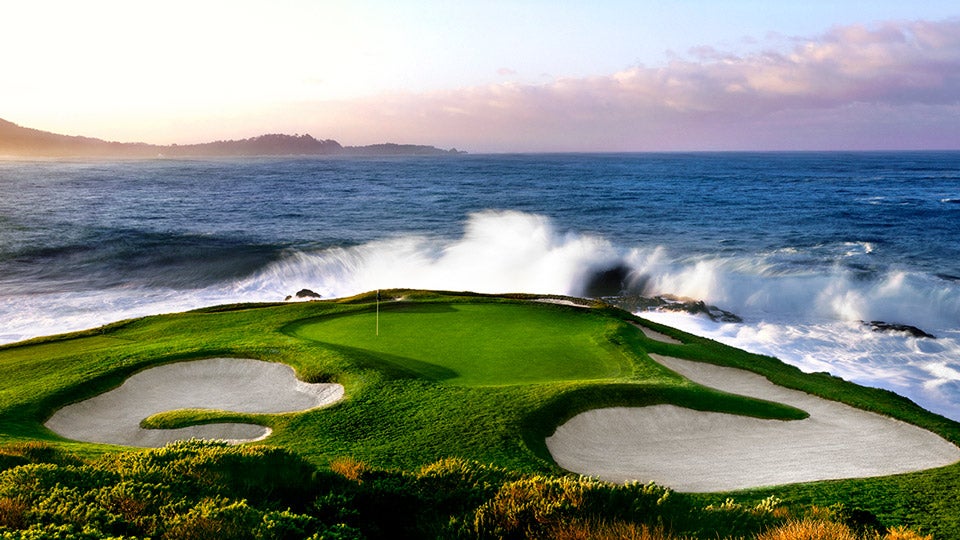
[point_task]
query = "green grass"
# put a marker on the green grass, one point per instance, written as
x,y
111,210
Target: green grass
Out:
x,y
479,344
450,375
193,417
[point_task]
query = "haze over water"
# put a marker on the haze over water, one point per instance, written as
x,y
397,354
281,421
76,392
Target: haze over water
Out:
x,y
803,246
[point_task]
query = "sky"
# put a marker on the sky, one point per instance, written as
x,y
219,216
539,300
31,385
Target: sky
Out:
x,y
491,76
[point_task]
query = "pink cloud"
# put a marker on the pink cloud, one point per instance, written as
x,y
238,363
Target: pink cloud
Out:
x,y
892,86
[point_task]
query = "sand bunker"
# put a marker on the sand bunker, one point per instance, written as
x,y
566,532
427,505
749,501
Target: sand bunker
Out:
x,y
657,336
229,384
562,302
697,451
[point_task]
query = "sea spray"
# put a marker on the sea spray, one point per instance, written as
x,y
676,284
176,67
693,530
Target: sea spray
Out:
x,y
802,246
808,316
922,369
499,252
753,288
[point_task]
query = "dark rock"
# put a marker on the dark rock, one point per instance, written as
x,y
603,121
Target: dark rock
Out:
x,y
634,303
303,293
607,282
699,307
307,293
881,326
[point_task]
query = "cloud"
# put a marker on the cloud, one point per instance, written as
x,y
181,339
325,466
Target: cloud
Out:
x,y
896,85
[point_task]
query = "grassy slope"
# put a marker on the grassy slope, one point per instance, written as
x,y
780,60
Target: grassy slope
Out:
x,y
413,401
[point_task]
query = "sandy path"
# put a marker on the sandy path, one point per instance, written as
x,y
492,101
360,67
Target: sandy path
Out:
x,y
696,451
230,384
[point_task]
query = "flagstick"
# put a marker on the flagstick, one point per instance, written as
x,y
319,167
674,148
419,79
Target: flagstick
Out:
x,y
378,312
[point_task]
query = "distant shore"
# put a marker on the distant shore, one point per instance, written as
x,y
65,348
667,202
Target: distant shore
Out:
x,y
22,142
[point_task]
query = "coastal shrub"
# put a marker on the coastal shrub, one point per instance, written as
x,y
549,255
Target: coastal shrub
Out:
x,y
60,532
34,481
206,490
455,486
22,453
181,491
339,531
390,506
604,530
337,507
9,461
214,519
458,472
349,468
860,521
206,469
374,502
221,519
822,529
731,517
522,508
13,513
139,506
531,507
808,529
902,533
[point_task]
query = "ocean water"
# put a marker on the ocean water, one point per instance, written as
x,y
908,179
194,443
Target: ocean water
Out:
x,y
802,246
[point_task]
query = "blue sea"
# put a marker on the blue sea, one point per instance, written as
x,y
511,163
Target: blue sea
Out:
x,y
802,246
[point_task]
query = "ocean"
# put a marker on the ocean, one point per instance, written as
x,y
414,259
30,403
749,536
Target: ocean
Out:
x,y
803,247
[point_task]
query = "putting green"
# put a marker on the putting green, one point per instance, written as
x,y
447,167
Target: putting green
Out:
x,y
478,344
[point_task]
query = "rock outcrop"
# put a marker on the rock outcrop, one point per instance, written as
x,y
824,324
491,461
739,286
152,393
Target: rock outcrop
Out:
x,y
635,303
881,326
302,294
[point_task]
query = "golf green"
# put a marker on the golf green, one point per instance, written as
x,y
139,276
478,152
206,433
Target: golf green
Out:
x,y
478,344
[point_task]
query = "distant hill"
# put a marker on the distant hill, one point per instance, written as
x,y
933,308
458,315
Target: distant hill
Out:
x,y
17,141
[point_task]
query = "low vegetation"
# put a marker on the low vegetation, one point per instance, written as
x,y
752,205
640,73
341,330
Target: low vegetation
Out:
x,y
441,433
197,489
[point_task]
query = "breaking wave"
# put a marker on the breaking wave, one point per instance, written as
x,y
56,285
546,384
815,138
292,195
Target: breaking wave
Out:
x,y
516,252
802,304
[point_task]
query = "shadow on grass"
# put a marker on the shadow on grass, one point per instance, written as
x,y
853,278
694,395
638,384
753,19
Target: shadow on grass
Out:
x,y
391,365
296,328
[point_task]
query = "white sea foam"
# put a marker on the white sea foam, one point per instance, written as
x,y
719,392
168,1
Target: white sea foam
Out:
x,y
801,304
924,370
498,252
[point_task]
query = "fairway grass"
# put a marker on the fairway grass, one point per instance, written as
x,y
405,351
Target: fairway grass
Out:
x,y
450,375
480,344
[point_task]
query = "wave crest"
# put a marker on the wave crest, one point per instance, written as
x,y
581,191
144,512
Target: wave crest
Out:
x,y
499,252
509,251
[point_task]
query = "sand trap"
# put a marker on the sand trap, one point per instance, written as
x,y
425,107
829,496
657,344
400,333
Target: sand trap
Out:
x,y
657,336
696,451
562,302
230,384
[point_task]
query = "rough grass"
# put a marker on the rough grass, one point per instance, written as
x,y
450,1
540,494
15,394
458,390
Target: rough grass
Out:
x,y
406,408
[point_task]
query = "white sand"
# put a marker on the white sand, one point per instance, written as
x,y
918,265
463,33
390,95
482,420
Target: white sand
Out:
x,y
562,302
657,336
696,451
229,384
